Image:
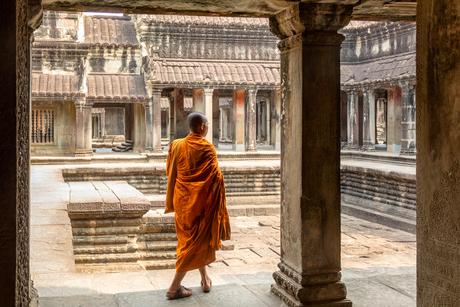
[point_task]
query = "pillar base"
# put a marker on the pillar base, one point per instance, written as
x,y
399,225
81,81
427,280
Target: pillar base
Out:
x,y
408,152
368,148
293,302
238,147
83,153
251,149
351,147
309,290
158,150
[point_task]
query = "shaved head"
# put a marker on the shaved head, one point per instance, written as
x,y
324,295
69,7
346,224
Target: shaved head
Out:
x,y
195,120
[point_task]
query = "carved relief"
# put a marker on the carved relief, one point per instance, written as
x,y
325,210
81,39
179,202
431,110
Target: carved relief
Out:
x,y
23,148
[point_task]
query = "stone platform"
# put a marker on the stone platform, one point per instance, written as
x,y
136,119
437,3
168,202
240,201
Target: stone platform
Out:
x,y
378,262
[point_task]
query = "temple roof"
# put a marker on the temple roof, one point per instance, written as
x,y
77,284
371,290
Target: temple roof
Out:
x,y
220,73
379,70
116,87
59,86
112,30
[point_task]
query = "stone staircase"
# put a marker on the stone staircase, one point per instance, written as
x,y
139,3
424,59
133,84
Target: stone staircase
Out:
x,y
125,146
113,229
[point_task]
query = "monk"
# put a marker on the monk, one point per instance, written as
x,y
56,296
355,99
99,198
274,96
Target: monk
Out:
x,y
196,193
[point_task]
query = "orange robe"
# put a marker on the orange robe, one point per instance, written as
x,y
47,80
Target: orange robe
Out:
x,y
196,193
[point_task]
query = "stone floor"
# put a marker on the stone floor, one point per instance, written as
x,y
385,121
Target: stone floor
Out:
x,y
378,262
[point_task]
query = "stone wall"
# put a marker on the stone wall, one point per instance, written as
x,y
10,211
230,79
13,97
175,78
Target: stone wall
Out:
x,y
64,129
152,179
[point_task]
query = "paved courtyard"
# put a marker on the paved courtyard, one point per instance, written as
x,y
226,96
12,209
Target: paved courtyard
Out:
x,y
378,262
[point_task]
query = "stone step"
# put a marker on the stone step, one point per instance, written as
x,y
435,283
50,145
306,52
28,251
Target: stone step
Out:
x,y
158,264
157,201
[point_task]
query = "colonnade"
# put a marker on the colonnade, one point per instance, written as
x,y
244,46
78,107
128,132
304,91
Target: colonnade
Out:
x,y
238,122
379,117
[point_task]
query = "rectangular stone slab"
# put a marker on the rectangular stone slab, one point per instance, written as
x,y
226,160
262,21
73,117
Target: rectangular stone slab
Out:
x,y
111,201
130,198
84,198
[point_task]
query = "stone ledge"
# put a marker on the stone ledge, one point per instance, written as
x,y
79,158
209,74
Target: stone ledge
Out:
x,y
105,199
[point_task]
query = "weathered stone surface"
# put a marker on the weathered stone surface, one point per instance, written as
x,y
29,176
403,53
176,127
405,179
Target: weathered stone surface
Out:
x,y
369,10
438,166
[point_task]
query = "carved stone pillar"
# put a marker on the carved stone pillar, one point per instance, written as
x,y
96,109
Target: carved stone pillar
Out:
x,y
198,104
252,119
353,120
310,154
223,123
83,128
172,122
215,118
207,98
275,113
239,130
181,129
149,126
368,119
156,125
408,146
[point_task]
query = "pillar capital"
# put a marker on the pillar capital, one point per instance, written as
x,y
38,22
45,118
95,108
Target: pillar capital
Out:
x,y
310,17
208,91
310,24
252,91
80,102
156,91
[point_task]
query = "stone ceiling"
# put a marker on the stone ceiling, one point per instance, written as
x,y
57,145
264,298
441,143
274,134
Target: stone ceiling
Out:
x,y
382,10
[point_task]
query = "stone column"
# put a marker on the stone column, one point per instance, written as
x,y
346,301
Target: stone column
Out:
x,y
310,154
438,154
171,117
259,123
407,119
394,119
207,98
83,128
275,113
267,122
343,119
156,125
149,125
223,124
353,120
368,119
230,123
238,117
181,129
198,103
215,117
252,120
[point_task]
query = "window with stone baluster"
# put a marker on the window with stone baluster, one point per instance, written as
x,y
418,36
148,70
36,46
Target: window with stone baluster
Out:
x,y
42,124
